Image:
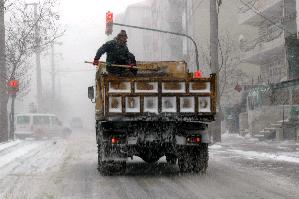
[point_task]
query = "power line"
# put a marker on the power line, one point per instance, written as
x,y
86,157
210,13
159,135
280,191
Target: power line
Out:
x,y
260,14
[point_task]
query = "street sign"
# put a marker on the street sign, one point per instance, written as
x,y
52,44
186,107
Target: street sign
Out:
x,y
238,88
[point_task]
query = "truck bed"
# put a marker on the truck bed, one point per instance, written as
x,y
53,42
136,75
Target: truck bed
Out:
x,y
157,97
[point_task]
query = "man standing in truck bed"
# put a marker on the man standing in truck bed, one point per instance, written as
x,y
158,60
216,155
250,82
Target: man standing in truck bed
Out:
x,y
117,53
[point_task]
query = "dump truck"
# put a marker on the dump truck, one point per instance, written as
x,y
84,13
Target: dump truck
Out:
x,y
163,110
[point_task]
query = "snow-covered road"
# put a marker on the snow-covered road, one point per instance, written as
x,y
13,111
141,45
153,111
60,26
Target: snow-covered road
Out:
x,y
68,169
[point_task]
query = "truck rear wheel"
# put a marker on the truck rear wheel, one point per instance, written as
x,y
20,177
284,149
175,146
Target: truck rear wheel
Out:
x,y
200,158
113,167
194,159
110,167
184,161
100,162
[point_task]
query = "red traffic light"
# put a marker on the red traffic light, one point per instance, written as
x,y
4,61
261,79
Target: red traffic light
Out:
x,y
109,23
115,140
12,87
13,84
109,17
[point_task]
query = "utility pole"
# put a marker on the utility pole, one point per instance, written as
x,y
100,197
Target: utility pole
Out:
x,y
53,69
3,80
39,93
214,44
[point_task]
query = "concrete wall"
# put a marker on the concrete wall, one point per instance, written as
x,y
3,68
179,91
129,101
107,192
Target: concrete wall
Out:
x,y
198,18
243,121
154,46
262,117
139,41
167,15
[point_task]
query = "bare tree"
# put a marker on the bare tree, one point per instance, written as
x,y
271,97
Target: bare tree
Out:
x,y
3,96
229,73
21,41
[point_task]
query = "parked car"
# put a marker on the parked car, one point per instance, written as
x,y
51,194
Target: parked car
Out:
x,y
39,125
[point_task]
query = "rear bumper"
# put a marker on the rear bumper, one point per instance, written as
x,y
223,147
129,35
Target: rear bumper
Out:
x,y
123,152
154,137
152,131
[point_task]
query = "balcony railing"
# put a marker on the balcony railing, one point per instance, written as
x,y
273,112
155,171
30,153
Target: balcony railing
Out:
x,y
246,46
245,8
256,4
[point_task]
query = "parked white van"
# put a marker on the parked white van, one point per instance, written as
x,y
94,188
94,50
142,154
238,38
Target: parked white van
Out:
x,y
39,125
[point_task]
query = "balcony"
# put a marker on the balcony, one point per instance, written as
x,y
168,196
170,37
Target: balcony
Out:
x,y
263,47
268,8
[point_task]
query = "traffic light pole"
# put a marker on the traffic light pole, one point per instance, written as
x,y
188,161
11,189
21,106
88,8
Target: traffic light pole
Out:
x,y
53,73
12,117
167,32
12,89
214,45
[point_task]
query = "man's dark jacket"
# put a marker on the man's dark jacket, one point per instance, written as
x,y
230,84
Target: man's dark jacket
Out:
x,y
116,54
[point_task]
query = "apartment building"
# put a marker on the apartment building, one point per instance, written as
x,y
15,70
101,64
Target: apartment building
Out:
x,y
167,15
275,21
148,45
139,41
275,50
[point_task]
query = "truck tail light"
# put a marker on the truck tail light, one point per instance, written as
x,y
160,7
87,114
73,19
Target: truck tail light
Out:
x,y
115,140
193,140
197,74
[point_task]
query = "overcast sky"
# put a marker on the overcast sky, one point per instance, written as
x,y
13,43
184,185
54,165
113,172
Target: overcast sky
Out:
x,y
84,22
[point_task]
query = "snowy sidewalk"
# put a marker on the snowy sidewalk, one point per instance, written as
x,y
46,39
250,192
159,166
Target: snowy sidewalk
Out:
x,y
251,148
8,144
10,151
